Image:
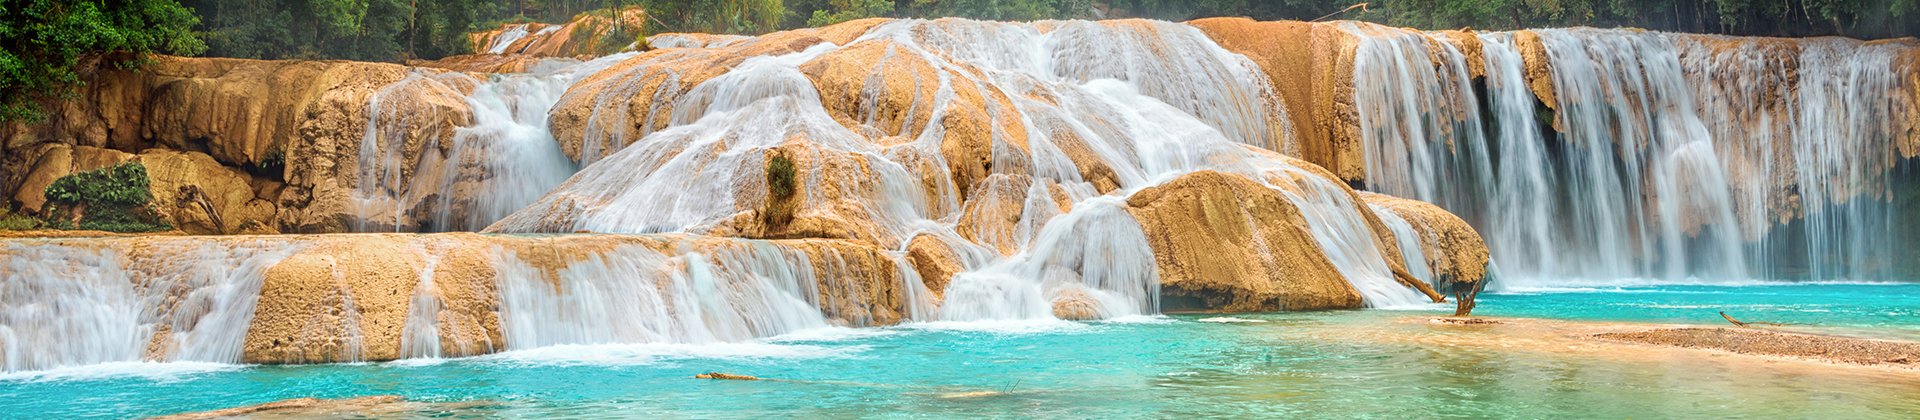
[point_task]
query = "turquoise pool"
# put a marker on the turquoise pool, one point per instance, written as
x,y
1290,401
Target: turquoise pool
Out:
x,y
1298,364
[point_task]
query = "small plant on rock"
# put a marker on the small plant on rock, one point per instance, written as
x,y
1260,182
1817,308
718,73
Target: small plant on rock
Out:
x,y
780,191
114,199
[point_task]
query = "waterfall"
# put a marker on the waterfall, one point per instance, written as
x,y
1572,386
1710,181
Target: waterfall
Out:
x,y
1096,254
1080,112
71,303
512,34
502,160
1409,241
507,37
637,295
1663,157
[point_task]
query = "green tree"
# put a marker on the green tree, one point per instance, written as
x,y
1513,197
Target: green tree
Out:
x,y
714,16
845,10
367,30
42,41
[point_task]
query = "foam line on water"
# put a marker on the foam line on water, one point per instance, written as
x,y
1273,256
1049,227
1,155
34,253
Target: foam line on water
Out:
x,y
152,371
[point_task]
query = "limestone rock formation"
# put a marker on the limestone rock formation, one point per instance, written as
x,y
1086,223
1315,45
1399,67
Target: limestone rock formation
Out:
x,y
1455,253
487,63
1274,265
588,34
608,110
274,142
372,297
1311,66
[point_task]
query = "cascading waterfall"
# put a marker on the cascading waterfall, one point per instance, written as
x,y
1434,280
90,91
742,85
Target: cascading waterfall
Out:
x,y
1150,101
513,34
1096,253
68,304
1663,156
78,302
505,159
637,295
1646,164
1409,241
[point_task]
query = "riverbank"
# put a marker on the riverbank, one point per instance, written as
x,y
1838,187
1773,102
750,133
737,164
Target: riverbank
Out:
x,y
1331,363
1786,348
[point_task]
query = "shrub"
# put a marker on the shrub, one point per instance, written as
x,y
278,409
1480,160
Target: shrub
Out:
x,y
12,221
112,199
780,191
780,177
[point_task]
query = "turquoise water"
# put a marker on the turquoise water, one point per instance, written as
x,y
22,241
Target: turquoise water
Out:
x,y
1881,310
1328,364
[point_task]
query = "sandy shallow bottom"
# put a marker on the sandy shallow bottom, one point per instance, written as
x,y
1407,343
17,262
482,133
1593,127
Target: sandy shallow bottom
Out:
x,y
1337,364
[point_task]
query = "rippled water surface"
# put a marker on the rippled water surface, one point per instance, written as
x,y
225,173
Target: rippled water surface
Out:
x,y
1327,364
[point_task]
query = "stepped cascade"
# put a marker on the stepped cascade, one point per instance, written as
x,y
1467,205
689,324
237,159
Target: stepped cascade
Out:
x,y
714,189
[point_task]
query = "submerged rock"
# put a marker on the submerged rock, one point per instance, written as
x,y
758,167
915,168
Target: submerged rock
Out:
x,y
375,406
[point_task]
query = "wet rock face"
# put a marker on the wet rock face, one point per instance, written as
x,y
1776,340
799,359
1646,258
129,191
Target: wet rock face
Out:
x,y
1236,245
269,146
589,34
373,297
1456,257
1311,68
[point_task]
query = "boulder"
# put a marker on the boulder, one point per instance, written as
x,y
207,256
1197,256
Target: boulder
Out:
x,y
1455,253
1235,245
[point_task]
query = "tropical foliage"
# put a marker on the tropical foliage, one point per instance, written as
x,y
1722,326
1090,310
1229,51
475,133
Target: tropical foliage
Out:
x,y
112,199
42,42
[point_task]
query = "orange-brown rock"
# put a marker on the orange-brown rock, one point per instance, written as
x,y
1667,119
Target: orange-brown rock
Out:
x,y
45,163
375,406
1455,253
1074,304
830,200
1539,69
935,261
203,197
486,63
635,97
887,89
287,131
350,297
1311,66
694,40
1275,263
587,34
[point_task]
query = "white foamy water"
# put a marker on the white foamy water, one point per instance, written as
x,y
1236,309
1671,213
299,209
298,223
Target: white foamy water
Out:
x,y
636,295
1231,320
1149,101
1672,158
502,160
655,353
74,305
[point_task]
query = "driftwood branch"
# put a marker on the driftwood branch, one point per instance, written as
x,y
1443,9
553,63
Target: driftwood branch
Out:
x,y
1736,322
1415,283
